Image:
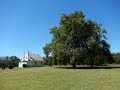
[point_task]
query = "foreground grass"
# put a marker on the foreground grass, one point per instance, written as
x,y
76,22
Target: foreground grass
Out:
x,y
49,78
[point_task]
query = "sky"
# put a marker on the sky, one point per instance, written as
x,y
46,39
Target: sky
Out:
x,y
25,24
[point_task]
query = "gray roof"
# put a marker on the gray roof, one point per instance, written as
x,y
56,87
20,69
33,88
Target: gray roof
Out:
x,y
35,57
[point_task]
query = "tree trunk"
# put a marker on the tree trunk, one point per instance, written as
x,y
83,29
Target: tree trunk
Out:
x,y
74,65
91,62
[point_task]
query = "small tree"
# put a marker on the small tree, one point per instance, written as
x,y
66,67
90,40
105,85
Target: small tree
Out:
x,y
3,66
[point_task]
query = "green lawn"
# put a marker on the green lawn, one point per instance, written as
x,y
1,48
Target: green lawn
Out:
x,y
49,78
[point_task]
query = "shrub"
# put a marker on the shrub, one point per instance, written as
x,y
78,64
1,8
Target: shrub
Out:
x,y
11,67
24,65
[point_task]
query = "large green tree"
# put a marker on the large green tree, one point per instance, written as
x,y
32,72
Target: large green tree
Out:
x,y
77,40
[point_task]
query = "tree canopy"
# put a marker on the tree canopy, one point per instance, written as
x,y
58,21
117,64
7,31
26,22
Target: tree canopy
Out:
x,y
78,41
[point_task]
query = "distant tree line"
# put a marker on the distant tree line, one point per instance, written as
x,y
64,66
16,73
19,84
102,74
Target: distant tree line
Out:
x,y
9,61
77,41
116,57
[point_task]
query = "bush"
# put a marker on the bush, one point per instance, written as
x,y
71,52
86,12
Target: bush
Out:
x,y
11,67
24,65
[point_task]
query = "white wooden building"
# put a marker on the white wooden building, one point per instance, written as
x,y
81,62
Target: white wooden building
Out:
x,y
31,60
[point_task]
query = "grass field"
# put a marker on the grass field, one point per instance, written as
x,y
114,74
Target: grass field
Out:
x,y
50,78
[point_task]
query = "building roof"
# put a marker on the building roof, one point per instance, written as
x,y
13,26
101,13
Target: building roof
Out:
x,y
35,57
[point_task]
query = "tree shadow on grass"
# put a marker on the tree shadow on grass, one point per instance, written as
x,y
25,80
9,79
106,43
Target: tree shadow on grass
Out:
x,y
88,67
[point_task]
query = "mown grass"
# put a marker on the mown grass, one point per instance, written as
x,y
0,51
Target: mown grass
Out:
x,y
50,78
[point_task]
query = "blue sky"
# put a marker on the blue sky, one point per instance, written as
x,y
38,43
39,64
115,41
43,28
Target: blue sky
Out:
x,y
25,24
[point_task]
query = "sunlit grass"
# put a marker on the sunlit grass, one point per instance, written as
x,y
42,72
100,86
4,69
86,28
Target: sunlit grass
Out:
x,y
50,78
